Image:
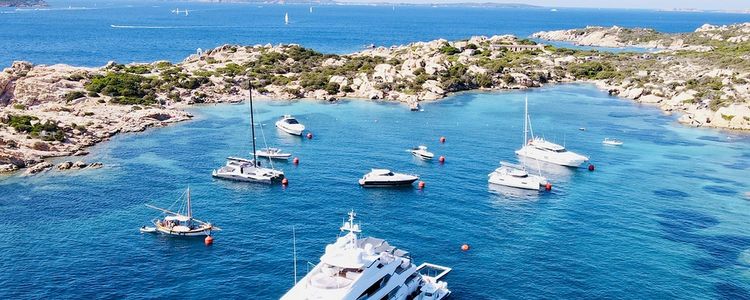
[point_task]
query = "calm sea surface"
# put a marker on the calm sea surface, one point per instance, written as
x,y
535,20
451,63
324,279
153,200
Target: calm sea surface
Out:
x,y
665,216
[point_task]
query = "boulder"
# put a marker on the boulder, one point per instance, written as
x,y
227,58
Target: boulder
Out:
x,y
79,165
40,167
95,165
65,166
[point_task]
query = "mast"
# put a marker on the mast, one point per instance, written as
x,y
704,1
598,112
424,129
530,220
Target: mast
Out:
x,y
294,250
252,123
189,210
526,121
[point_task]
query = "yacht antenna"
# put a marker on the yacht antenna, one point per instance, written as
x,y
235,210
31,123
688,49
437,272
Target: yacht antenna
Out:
x,y
252,122
294,251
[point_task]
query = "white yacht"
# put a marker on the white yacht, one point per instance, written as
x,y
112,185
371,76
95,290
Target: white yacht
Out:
x,y
386,178
422,153
290,125
273,153
368,268
540,149
612,142
517,176
249,170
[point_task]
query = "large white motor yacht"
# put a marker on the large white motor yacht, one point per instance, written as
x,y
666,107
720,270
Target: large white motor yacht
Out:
x,y
241,169
367,268
542,150
290,125
516,176
386,178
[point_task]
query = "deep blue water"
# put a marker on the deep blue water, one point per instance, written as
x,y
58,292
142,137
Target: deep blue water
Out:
x,y
664,216
85,36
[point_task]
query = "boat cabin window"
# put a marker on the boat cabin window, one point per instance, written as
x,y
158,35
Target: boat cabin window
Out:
x,y
291,121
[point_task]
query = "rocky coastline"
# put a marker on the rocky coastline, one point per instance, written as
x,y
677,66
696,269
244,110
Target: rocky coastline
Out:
x,y
59,110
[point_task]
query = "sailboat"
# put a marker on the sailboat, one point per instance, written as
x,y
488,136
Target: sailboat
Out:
x,y
286,18
517,176
181,222
310,9
538,148
249,170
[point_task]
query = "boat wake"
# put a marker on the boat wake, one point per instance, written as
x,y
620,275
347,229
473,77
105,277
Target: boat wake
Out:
x,y
164,27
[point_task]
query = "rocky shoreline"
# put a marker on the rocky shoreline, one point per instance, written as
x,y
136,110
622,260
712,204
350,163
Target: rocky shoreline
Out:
x,y
58,110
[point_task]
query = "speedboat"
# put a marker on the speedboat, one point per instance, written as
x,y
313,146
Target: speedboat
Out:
x,y
181,222
290,125
273,153
422,153
516,176
355,267
248,170
612,142
386,178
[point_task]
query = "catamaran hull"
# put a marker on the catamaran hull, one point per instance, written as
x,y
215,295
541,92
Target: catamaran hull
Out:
x,y
526,183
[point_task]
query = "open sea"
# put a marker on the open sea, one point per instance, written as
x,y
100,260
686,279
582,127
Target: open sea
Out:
x,y
665,216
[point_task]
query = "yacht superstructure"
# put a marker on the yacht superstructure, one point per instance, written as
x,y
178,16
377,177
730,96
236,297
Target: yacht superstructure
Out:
x,y
540,149
367,268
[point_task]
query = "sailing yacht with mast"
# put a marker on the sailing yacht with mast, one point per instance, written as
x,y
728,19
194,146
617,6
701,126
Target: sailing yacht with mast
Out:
x,y
542,150
517,176
249,170
368,268
180,222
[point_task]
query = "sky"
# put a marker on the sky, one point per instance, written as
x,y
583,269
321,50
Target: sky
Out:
x,y
642,4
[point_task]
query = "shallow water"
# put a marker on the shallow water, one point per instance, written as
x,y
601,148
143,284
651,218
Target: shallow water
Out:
x,y
663,216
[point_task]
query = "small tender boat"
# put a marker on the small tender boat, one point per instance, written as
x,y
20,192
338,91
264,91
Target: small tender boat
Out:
x,y
273,153
181,222
290,125
386,178
422,153
612,142
516,176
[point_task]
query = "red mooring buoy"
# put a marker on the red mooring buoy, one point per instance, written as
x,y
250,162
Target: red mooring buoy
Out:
x,y
295,161
309,136
591,167
442,139
209,240
421,185
465,247
441,159
548,186
285,181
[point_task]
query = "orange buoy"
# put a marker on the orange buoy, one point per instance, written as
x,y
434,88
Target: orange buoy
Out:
x,y
285,181
309,135
209,240
441,159
421,185
442,139
465,247
548,186
591,167
295,161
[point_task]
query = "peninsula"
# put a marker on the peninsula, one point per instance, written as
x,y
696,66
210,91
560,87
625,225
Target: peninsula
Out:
x,y
23,3
59,110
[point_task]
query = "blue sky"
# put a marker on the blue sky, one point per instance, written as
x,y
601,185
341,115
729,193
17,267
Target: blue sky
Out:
x,y
648,4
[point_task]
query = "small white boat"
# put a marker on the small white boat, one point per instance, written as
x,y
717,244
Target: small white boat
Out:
x,y
273,153
290,125
386,178
516,176
181,222
422,153
286,18
612,142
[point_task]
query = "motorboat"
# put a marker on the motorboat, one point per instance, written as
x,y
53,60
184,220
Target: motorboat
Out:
x,y
290,125
273,153
386,178
612,142
249,170
356,267
540,149
517,176
180,222
422,153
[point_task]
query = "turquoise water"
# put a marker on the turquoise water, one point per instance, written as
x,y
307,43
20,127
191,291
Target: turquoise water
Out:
x,y
663,216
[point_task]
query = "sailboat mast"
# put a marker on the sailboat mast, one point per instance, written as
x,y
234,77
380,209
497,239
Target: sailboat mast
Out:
x,y
526,121
252,124
294,249
189,210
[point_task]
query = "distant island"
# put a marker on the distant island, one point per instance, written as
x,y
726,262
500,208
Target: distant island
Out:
x,y
59,110
329,2
23,3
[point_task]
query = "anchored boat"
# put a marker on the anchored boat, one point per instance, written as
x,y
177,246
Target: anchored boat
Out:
x,y
386,178
422,153
290,125
354,267
612,142
273,153
180,222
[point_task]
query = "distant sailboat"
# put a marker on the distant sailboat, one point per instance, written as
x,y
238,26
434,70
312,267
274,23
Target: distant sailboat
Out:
x,y
310,9
286,18
187,12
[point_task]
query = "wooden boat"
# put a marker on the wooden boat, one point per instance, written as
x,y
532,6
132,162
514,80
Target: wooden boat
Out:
x,y
181,222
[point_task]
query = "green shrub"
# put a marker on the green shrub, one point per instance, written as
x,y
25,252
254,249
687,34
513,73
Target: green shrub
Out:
x,y
332,88
231,69
19,106
118,84
593,70
449,50
73,95
727,117
138,69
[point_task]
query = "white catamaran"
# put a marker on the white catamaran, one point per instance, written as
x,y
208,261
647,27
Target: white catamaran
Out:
x,y
368,268
249,170
539,149
180,222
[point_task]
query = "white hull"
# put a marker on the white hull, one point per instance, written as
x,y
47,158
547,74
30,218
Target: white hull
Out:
x,y
423,155
568,159
291,131
239,169
531,182
281,156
